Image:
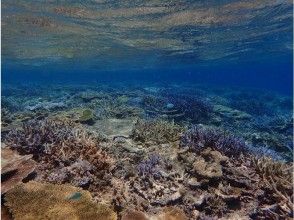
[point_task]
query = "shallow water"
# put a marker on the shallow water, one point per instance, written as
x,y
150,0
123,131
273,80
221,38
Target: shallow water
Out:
x,y
152,104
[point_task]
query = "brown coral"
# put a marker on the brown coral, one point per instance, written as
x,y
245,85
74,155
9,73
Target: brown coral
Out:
x,y
208,165
34,200
14,168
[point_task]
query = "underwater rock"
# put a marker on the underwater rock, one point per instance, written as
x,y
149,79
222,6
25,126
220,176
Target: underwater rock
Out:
x,y
14,168
87,117
32,201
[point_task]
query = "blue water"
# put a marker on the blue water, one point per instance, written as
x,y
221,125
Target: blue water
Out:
x,y
233,43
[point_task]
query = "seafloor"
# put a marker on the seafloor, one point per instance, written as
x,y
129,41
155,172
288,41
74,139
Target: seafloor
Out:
x,y
133,152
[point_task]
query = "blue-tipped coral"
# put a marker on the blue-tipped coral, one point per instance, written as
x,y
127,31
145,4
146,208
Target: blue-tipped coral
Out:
x,y
199,137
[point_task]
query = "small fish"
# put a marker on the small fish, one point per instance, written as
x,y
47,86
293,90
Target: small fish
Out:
x,y
170,105
75,196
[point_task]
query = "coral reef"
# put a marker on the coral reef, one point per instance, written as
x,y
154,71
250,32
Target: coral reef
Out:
x,y
157,131
35,200
139,157
61,148
14,168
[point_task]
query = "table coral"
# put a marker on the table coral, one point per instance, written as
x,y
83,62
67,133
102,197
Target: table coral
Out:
x,y
35,200
14,168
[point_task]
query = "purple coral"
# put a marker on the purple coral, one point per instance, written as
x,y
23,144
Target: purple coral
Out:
x,y
149,167
35,135
198,138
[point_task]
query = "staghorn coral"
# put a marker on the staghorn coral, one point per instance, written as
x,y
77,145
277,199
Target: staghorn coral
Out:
x,y
157,131
277,181
199,137
14,168
35,200
57,145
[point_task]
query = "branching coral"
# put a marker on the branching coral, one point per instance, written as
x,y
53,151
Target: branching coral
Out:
x,y
199,137
57,144
277,181
157,131
148,167
35,200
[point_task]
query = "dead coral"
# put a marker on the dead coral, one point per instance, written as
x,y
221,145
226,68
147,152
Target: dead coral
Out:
x,y
156,131
35,200
14,168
